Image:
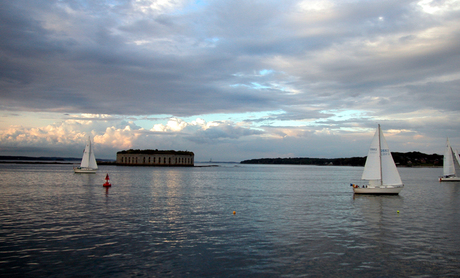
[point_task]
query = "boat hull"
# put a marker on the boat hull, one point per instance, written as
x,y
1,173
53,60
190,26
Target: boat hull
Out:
x,y
449,179
80,170
378,190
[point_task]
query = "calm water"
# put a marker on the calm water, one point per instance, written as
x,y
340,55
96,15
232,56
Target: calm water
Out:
x,y
290,221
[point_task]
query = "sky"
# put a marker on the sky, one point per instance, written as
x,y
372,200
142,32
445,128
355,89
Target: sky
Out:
x,y
228,80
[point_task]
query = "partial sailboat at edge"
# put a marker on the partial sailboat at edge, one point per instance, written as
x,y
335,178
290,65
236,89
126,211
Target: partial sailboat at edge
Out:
x,y
451,164
380,169
88,162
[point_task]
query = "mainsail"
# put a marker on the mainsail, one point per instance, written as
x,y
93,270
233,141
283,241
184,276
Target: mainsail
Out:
x,y
390,175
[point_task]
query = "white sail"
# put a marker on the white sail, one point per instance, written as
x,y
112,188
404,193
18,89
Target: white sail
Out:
x,y
448,161
451,164
380,168
372,166
390,174
457,161
88,160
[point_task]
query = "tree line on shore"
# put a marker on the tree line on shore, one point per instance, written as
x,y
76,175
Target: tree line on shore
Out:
x,y
408,159
401,159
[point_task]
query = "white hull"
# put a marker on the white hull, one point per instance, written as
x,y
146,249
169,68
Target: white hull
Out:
x,y
80,170
378,190
449,179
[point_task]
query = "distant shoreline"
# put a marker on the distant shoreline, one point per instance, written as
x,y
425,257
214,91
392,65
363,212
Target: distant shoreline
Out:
x,y
76,162
50,162
32,162
409,159
202,166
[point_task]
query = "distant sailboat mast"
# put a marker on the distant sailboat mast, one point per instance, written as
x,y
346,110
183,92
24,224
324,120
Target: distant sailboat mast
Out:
x,y
88,156
380,156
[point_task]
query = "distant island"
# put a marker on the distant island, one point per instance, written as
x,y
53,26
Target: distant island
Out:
x,y
408,159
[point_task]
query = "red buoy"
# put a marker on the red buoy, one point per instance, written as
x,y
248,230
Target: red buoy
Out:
x,y
107,184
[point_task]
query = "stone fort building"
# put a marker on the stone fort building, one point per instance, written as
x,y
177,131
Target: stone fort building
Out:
x,y
155,158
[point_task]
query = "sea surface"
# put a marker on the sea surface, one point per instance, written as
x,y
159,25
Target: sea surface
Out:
x,y
227,221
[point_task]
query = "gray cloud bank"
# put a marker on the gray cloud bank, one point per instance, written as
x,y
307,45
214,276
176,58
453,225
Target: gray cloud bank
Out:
x,y
386,61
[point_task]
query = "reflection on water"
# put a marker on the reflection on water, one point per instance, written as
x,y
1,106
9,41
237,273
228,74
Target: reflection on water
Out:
x,y
289,221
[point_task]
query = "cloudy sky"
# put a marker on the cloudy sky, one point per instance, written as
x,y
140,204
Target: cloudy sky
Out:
x,y
228,80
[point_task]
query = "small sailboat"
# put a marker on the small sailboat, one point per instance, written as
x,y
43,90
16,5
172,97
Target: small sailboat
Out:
x,y
380,169
451,164
88,162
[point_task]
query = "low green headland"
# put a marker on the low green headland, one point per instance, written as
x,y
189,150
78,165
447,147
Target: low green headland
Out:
x,y
409,159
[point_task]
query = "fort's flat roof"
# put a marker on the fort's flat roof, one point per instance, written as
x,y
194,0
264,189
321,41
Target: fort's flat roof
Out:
x,y
131,151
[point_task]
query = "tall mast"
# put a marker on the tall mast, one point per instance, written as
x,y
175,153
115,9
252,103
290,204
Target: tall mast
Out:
x,y
380,156
89,150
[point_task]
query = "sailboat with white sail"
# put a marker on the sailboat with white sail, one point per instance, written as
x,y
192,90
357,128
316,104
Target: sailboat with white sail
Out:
x,y
380,169
88,162
451,164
